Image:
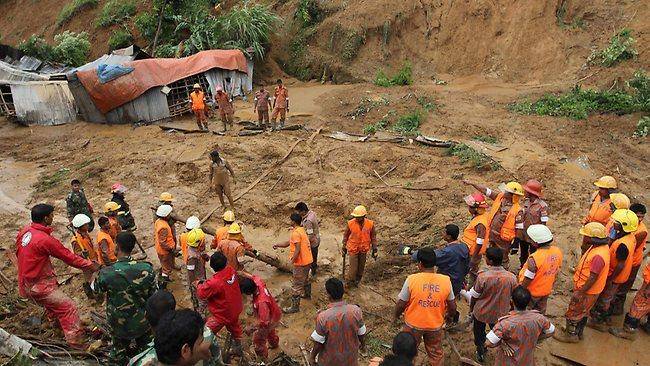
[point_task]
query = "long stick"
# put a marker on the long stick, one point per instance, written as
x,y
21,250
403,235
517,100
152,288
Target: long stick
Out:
x,y
343,271
303,351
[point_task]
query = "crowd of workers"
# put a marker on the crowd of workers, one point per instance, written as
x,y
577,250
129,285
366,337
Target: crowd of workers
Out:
x,y
512,304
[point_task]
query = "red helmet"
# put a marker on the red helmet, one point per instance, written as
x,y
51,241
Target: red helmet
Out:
x,y
476,200
118,187
534,187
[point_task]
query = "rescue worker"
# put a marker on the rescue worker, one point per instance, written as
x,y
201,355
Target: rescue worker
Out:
x,y
541,268
535,212
226,108
490,297
311,224
641,235
621,253
197,103
77,203
196,259
600,209
516,335
589,281
280,105
82,243
110,210
105,243
165,243
266,312
165,198
219,180
453,259
427,302
222,232
618,201
36,278
127,285
124,216
300,257
233,248
505,216
192,222
262,103
359,238
639,309
340,331
223,296
475,235
180,340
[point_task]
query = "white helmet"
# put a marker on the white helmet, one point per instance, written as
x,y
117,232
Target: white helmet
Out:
x,y
80,220
164,210
539,233
192,222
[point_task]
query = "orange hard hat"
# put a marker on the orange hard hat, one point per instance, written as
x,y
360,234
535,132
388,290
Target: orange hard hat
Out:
x,y
533,186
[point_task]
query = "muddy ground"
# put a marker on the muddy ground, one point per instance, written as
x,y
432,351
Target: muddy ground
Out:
x,y
333,176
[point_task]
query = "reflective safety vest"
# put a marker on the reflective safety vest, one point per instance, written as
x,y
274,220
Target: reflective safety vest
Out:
x,y
360,238
427,304
219,235
197,100
182,240
470,235
641,235
548,261
110,247
170,243
114,227
629,240
507,231
299,237
86,246
599,211
583,269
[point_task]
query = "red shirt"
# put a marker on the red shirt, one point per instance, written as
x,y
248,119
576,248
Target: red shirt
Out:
x,y
266,308
34,246
222,295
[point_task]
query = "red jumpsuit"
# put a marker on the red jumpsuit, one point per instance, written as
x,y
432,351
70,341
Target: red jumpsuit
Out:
x,y
268,314
37,281
223,296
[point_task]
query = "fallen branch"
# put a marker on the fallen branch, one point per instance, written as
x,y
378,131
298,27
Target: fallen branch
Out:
x,y
275,184
380,178
389,170
311,138
180,129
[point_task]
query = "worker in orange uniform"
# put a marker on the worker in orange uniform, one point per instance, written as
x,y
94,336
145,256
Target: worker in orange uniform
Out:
x,y
617,201
262,103
111,210
639,309
82,243
266,311
535,212
280,104
234,247
197,103
505,216
589,281
600,208
228,218
226,108
36,278
192,243
165,198
541,268
105,243
641,235
359,238
621,253
300,256
475,234
427,301
165,243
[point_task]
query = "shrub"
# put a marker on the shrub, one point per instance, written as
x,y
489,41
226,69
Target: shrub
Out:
x,y
308,13
72,8
116,12
486,138
166,51
381,125
351,45
467,154
403,77
248,26
409,124
119,39
71,48
642,127
427,103
621,47
36,46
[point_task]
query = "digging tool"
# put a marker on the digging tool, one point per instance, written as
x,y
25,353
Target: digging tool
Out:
x,y
343,271
463,360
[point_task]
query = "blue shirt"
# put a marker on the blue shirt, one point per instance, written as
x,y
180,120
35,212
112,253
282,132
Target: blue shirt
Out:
x,y
453,261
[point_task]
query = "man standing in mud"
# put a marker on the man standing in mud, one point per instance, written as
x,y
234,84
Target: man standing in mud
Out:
x,y
280,104
226,109
359,238
197,103
311,225
262,104
76,203
219,179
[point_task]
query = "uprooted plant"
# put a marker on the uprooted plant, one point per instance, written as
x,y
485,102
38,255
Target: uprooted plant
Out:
x,y
477,159
621,47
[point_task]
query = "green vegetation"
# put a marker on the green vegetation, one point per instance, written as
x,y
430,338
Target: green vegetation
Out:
x,y
120,38
351,45
621,47
486,138
297,63
381,125
374,346
579,103
403,77
427,103
308,13
36,46
478,160
72,8
368,104
409,124
116,12
643,127
71,48
48,181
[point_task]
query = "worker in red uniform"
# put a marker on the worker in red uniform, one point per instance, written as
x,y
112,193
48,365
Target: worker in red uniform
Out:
x,y
226,108
266,311
36,278
535,212
223,296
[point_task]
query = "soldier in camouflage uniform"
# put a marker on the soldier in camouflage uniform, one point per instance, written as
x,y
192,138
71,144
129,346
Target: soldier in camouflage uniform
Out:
x,y
77,203
127,284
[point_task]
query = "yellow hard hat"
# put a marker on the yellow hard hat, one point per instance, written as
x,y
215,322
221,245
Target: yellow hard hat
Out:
x,y
234,228
166,197
195,237
197,86
111,207
620,201
606,182
512,187
359,211
628,220
229,216
594,230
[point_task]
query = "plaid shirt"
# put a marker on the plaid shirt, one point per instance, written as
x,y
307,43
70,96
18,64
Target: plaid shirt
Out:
x,y
491,292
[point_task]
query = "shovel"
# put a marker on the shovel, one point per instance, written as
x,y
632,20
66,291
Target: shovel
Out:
x,y
463,360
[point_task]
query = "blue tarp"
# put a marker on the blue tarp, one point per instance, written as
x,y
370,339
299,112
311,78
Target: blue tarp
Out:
x,y
106,73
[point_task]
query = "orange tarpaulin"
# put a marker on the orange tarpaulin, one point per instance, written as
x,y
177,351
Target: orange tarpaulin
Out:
x,y
155,72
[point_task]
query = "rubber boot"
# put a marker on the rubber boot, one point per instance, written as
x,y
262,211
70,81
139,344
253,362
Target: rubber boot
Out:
x,y
617,305
307,292
570,334
629,330
646,327
581,327
295,306
598,324
480,354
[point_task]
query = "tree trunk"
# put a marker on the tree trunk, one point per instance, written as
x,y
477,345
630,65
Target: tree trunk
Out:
x,y
155,37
